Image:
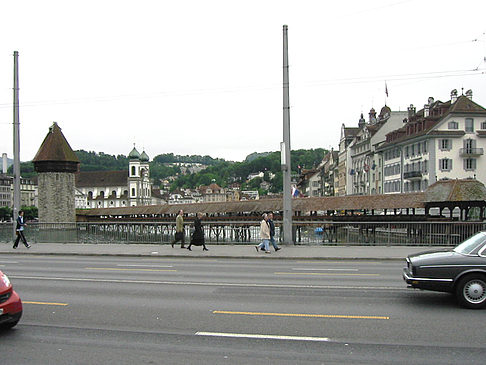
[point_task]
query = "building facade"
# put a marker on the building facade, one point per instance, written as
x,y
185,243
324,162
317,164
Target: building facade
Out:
x,y
110,189
341,177
365,163
444,140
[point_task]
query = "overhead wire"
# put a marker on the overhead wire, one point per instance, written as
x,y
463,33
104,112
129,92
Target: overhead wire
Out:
x,y
338,81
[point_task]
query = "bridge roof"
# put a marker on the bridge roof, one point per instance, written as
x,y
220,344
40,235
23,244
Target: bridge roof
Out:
x,y
389,201
466,190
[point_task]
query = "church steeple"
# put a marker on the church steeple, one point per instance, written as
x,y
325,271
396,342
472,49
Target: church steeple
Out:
x,y
361,122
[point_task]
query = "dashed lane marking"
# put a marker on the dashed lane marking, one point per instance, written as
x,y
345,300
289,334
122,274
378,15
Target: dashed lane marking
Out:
x,y
322,273
120,269
135,265
310,269
340,316
267,337
43,303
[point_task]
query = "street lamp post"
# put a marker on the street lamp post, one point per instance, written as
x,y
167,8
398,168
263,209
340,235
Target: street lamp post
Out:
x,y
16,141
285,147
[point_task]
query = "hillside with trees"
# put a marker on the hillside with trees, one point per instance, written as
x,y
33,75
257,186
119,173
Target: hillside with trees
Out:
x,y
221,171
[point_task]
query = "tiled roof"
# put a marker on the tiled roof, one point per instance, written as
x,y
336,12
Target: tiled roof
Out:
x,y
465,105
438,111
351,132
389,201
55,147
456,191
439,192
87,179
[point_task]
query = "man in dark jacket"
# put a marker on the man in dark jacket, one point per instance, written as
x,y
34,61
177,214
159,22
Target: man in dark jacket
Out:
x,y
272,231
20,230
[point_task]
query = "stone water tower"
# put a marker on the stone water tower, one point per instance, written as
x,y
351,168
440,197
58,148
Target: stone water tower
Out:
x,y
56,164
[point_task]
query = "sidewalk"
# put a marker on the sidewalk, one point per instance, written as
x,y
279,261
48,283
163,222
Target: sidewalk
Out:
x,y
220,251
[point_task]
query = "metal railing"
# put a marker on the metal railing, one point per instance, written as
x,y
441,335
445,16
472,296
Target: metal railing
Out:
x,y
305,233
469,151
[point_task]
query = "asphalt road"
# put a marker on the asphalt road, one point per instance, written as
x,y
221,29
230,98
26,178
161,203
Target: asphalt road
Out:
x,y
115,310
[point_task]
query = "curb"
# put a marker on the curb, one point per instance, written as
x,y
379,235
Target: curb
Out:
x,y
260,257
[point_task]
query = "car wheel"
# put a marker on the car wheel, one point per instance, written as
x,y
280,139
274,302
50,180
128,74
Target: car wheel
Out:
x,y
471,291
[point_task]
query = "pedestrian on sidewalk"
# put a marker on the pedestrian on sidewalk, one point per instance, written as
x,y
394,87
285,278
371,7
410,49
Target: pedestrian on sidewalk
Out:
x,y
264,234
197,238
179,235
271,225
20,230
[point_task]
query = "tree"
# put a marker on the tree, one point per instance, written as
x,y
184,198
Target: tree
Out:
x,y
30,212
254,184
5,213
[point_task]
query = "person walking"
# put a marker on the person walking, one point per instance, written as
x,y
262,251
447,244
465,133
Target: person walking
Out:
x,y
271,225
179,235
20,230
264,234
197,238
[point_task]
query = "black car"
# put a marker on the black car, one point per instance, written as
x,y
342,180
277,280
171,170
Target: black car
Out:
x,y
461,271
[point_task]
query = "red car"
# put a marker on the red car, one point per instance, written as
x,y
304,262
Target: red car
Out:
x,y
10,304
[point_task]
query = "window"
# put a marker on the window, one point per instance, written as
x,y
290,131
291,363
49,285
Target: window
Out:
x,y
483,125
445,164
406,151
133,191
113,193
469,125
425,146
453,125
470,164
445,144
469,144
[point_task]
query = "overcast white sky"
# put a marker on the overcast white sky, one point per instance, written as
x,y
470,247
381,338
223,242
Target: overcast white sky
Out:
x,y
205,77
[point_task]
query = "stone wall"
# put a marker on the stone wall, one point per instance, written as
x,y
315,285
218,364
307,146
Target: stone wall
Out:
x,y
56,197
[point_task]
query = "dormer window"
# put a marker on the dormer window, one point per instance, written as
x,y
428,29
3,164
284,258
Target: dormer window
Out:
x,y
453,125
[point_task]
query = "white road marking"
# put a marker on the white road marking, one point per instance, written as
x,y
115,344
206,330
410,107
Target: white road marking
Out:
x,y
303,269
134,265
9,262
266,337
250,285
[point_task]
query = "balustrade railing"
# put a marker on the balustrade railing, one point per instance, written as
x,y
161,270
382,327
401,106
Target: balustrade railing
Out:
x,y
305,233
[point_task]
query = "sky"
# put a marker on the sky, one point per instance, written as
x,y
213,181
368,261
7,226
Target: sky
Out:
x,y
205,77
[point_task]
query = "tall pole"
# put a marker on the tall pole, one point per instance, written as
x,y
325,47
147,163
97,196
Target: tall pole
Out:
x,y
285,147
16,140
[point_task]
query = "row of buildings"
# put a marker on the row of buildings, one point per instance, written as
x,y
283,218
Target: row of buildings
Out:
x,y
404,151
124,188
390,152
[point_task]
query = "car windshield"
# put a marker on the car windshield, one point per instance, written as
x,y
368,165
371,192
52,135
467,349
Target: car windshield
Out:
x,y
471,243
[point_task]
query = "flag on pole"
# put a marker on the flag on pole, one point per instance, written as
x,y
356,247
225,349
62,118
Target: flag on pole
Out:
x,y
386,89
